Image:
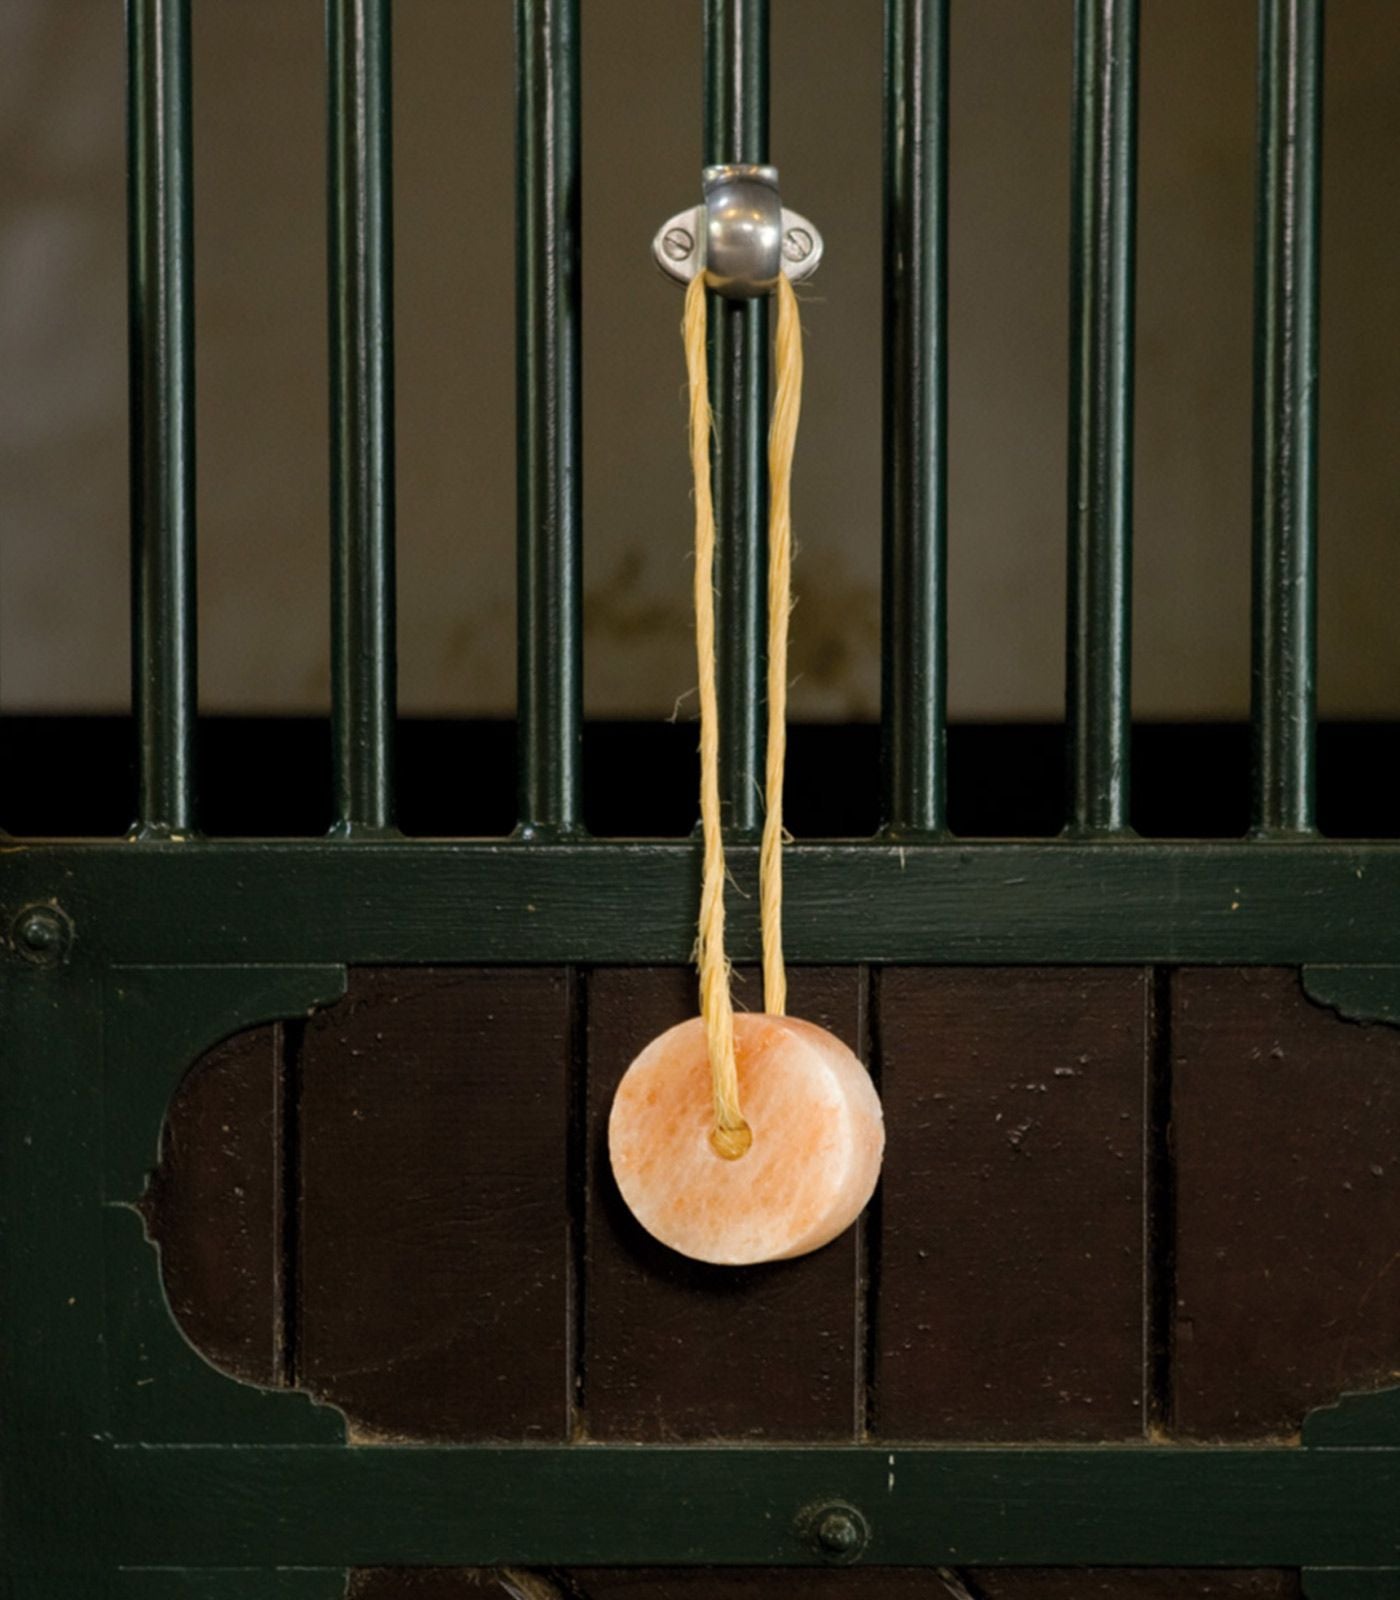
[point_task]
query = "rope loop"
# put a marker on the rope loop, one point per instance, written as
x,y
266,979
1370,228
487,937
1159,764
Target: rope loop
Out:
x,y
731,1135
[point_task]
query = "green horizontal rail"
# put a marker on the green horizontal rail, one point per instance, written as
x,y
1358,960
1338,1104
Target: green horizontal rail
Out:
x,y
195,1583
1287,229
736,129
160,270
914,645
1099,621
360,265
1052,902
1100,1505
549,314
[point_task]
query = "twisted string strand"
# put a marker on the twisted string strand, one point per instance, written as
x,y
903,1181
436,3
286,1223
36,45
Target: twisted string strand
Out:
x,y
731,1136
782,443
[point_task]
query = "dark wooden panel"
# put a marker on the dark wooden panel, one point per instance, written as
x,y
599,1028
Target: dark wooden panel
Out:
x,y
675,1349
859,1583
1144,1583
1010,1267
447,1583
760,1583
214,1205
1286,1124
433,1264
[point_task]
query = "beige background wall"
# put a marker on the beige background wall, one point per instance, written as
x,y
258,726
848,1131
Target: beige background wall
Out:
x,y
262,405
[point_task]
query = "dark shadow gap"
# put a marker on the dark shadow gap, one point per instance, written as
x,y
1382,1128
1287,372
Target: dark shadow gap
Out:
x,y
288,1309
872,1226
269,777
1161,1212
576,1179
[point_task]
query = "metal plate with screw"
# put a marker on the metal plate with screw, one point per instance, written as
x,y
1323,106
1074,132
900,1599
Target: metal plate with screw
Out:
x,y
677,245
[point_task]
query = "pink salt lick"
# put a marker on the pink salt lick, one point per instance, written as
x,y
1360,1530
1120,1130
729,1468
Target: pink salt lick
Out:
x,y
818,1139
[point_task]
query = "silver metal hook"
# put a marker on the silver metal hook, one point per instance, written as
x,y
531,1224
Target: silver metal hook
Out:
x,y
741,237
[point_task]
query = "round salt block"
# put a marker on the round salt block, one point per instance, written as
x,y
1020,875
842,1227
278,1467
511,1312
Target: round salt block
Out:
x,y
818,1138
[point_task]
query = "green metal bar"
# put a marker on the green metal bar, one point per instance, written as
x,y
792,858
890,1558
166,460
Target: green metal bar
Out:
x,y
1050,902
736,129
160,264
1101,1505
1342,1583
242,1583
52,1380
1099,654
360,252
1284,688
914,659
548,318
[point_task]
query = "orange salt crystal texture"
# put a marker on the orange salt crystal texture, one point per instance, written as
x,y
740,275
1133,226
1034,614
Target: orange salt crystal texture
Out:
x,y
818,1138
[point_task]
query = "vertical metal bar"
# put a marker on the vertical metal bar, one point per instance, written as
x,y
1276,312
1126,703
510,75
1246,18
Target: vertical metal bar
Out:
x,y
160,266
1099,653
362,415
736,129
1284,689
914,653
548,318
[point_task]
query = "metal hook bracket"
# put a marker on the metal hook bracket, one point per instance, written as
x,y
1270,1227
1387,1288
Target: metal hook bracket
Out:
x,y
740,236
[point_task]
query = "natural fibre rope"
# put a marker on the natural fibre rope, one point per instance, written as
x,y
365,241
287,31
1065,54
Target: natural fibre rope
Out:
x,y
731,1136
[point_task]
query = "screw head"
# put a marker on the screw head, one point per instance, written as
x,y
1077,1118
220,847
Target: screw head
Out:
x,y
678,243
798,244
42,934
836,1531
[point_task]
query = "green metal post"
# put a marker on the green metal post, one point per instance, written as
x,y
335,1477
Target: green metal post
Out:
x,y
362,415
548,316
1284,687
160,243
914,655
1099,654
736,129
